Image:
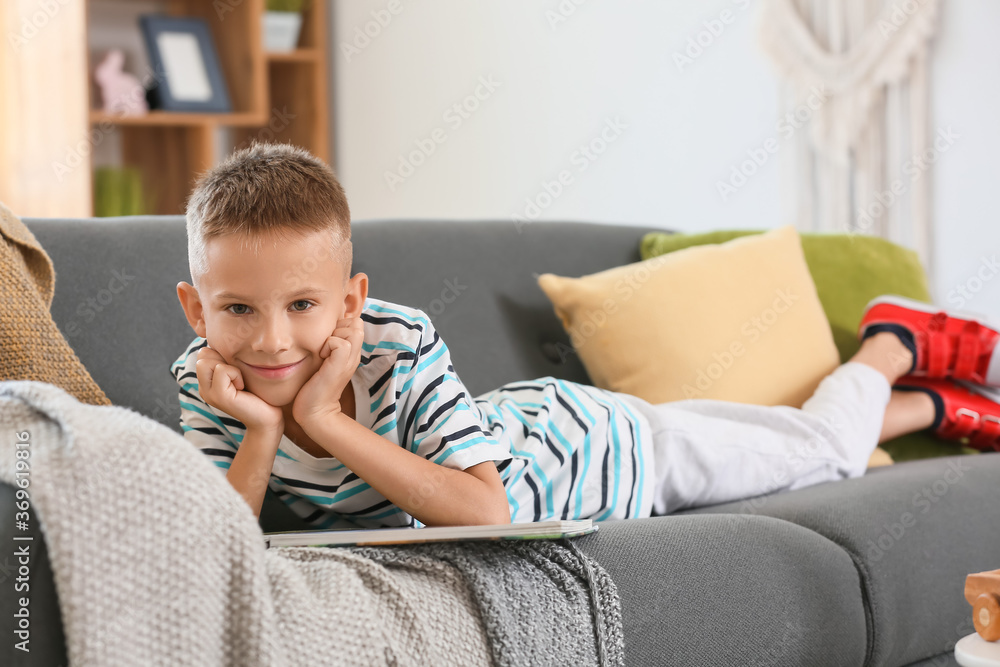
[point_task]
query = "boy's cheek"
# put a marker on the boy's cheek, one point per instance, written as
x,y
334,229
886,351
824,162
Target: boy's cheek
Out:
x,y
311,369
215,345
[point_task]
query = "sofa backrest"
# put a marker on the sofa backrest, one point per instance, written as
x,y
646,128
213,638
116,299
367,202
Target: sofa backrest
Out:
x,y
116,301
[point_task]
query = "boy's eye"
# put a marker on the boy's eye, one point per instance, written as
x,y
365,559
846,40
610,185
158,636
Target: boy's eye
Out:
x,y
308,305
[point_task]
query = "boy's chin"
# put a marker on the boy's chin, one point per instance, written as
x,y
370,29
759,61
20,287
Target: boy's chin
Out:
x,y
278,396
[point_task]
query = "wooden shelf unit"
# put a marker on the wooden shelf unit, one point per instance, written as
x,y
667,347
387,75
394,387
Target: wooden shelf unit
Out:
x,y
279,97
298,87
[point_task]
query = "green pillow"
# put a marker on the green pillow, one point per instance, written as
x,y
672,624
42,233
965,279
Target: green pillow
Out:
x,y
849,271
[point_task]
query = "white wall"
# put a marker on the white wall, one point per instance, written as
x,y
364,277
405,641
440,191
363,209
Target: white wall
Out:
x,y
683,130
966,185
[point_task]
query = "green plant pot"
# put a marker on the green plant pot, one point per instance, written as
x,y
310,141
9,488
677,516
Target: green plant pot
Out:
x,y
118,191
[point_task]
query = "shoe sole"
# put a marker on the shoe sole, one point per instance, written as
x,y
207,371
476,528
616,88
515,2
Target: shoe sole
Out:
x,y
986,391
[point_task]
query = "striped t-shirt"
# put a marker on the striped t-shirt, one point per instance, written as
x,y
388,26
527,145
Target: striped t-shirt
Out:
x,y
563,450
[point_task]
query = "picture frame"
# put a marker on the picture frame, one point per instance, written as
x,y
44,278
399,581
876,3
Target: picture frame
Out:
x,y
185,64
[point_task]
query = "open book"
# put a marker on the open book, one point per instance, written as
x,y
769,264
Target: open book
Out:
x,y
538,530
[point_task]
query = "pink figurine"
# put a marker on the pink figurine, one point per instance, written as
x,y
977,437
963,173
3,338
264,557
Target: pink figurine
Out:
x,y
121,92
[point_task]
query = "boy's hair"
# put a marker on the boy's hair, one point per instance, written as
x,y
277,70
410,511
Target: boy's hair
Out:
x,y
264,190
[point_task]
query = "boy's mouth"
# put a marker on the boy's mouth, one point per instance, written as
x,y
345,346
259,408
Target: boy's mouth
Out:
x,y
275,372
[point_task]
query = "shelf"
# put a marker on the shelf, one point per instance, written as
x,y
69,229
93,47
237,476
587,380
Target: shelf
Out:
x,y
298,55
158,118
275,97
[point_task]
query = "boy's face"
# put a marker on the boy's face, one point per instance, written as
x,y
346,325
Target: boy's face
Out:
x,y
270,309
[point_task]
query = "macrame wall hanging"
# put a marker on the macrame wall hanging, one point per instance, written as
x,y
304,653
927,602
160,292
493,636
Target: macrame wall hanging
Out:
x,y
855,83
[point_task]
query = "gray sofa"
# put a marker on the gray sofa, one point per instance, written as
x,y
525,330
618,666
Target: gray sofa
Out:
x,y
866,571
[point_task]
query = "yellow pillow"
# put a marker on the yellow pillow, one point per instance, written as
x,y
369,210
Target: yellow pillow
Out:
x,y
738,321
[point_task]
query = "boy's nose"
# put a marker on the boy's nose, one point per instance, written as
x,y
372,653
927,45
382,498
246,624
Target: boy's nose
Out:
x,y
273,337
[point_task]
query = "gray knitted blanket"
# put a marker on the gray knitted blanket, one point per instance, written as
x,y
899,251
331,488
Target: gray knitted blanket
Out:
x,y
157,560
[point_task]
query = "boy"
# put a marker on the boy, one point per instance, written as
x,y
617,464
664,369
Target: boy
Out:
x,y
349,408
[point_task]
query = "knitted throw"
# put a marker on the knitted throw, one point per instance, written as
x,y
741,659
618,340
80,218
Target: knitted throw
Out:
x,y
31,345
157,560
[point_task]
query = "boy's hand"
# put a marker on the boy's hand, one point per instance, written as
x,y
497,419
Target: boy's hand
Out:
x,y
320,396
221,386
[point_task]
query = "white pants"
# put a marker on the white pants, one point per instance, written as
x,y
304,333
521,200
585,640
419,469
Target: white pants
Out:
x,y
708,451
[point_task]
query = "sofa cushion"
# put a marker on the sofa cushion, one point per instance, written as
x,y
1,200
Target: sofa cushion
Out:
x,y
915,530
849,270
738,321
731,590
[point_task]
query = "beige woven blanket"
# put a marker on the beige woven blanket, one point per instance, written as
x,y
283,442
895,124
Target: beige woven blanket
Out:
x,y
31,345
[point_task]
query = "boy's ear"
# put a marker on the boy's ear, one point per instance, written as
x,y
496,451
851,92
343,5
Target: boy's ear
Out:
x,y
193,310
355,295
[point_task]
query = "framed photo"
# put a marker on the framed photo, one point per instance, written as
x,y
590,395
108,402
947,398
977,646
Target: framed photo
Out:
x,y
185,64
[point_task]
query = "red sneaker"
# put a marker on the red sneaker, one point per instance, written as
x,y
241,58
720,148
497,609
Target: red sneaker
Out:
x,y
945,343
960,413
